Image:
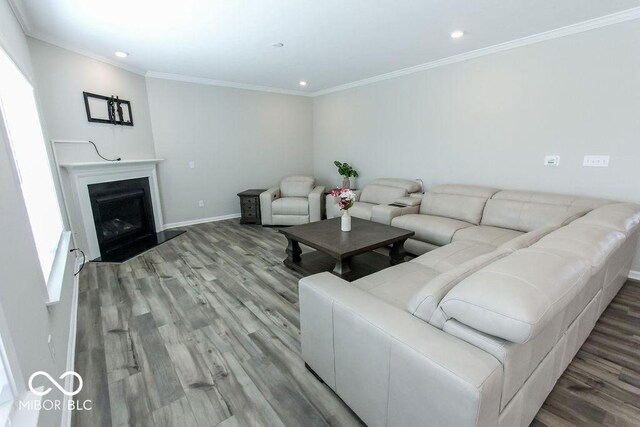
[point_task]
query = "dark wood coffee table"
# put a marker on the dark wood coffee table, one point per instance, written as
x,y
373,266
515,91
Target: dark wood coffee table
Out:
x,y
347,254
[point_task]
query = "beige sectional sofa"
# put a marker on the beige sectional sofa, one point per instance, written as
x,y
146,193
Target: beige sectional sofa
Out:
x,y
477,330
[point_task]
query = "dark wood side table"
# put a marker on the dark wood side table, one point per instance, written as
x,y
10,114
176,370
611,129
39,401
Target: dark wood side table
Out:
x,y
250,206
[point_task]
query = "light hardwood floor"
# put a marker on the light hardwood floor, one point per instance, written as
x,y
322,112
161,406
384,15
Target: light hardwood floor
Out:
x,y
204,331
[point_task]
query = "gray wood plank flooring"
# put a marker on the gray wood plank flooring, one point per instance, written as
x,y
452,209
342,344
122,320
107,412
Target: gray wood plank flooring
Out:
x,y
204,331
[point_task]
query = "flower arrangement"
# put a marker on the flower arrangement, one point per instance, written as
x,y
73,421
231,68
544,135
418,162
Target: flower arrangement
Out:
x,y
346,198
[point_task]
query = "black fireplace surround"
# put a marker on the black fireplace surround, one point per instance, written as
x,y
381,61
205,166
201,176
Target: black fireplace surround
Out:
x,y
123,218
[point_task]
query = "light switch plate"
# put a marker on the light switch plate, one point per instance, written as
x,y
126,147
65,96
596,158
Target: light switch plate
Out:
x,y
192,164
596,161
552,160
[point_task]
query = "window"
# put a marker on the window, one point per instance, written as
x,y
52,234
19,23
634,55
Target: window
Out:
x,y
24,132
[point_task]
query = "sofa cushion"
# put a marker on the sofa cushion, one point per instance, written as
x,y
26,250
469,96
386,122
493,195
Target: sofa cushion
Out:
x,y
452,255
290,206
296,186
463,202
623,217
527,239
409,185
381,194
436,230
550,198
486,234
593,243
515,297
464,190
397,284
527,216
416,247
361,210
424,302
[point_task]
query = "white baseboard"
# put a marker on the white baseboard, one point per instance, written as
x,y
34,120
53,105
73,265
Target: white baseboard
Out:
x,y
634,275
71,345
201,221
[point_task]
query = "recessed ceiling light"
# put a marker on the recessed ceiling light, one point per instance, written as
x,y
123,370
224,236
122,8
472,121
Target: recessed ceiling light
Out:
x,y
277,44
457,34
121,54
303,83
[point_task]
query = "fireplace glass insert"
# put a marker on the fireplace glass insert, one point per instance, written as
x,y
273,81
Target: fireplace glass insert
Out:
x,y
123,218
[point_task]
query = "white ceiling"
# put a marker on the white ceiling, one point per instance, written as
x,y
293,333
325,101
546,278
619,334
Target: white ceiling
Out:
x,y
326,42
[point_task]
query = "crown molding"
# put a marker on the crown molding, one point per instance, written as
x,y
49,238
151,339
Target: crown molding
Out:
x,y
53,41
223,83
165,76
603,21
21,15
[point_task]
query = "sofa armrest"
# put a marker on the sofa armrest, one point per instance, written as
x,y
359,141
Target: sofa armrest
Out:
x,y
331,206
316,203
391,367
408,201
266,198
385,213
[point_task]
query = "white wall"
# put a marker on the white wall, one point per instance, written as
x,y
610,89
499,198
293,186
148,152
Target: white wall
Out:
x,y
491,120
238,139
62,76
22,294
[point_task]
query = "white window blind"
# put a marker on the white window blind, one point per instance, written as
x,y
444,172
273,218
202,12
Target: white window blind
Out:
x,y
23,129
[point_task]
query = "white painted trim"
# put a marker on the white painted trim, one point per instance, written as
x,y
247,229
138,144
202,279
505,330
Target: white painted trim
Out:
x,y
223,83
55,281
603,21
81,175
53,41
200,221
634,275
71,345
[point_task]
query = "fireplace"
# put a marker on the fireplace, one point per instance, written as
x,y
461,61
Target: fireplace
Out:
x,y
123,219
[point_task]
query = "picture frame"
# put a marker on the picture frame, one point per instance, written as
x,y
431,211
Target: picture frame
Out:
x,y
107,109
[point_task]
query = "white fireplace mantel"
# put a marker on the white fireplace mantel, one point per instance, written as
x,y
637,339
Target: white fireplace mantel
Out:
x,y
78,178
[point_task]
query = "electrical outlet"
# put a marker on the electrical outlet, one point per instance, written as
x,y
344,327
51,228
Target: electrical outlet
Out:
x,y
596,161
192,164
552,160
201,203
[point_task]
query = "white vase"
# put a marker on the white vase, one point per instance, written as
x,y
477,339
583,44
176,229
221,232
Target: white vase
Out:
x,y
346,221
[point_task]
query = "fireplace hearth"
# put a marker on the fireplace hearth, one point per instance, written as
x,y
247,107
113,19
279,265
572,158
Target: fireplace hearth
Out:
x,y
123,219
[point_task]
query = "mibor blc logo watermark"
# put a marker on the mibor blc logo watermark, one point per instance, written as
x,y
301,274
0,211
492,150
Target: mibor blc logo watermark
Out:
x,y
56,404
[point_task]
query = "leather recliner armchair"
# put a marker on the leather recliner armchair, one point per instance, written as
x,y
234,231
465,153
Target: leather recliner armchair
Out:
x,y
297,200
